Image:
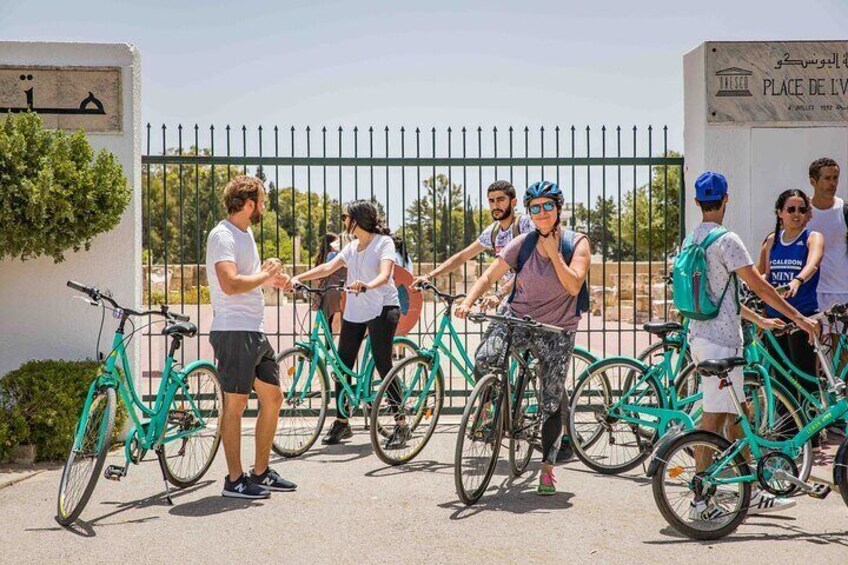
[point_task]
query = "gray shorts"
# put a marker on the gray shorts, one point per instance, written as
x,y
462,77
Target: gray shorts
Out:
x,y
242,357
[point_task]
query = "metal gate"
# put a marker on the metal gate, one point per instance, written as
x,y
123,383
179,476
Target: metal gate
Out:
x,y
623,188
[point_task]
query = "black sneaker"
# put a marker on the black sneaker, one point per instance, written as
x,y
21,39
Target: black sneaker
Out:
x,y
271,480
243,488
566,452
339,431
399,437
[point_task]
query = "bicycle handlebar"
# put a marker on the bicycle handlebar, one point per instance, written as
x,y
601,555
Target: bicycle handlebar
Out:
x,y
97,295
338,287
443,295
526,321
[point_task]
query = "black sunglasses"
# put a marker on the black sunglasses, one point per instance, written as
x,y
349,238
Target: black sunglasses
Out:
x,y
799,209
536,208
345,216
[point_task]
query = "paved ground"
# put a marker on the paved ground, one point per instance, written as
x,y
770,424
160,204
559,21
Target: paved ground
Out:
x,y
351,508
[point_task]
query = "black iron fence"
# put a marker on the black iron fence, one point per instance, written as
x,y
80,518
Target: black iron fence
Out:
x,y
623,188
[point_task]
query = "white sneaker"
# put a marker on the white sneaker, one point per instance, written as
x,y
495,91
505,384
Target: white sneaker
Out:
x,y
764,503
703,512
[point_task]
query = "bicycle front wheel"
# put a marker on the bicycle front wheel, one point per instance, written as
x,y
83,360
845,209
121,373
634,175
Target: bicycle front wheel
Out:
x,y
525,429
85,461
406,410
305,386
192,434
478,440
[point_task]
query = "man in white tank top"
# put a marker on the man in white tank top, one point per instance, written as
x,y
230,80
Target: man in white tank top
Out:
x,y
829,220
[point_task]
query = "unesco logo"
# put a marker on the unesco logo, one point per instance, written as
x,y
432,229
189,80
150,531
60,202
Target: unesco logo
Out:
x,y
734,81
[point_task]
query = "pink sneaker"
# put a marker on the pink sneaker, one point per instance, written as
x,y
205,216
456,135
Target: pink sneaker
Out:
x,y
547,485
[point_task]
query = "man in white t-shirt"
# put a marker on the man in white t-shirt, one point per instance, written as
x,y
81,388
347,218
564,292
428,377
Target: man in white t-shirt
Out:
x,y
507,224
828,218
244,357
721,337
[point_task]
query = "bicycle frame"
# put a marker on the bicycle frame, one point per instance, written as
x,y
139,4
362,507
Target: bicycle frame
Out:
x,y
663,374
325,351
150,433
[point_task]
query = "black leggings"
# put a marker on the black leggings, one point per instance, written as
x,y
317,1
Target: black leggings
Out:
x,y
382,331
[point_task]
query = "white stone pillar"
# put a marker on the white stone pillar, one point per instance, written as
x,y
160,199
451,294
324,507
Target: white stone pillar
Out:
x,y
38,317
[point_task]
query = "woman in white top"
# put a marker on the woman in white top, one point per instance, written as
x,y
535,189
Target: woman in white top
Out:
x,y
372,304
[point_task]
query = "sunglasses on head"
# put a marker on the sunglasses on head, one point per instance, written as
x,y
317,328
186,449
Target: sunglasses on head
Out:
x,y
536,208
793,209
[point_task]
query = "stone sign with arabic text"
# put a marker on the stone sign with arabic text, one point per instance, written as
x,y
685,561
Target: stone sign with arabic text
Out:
x,y
785,81
71,98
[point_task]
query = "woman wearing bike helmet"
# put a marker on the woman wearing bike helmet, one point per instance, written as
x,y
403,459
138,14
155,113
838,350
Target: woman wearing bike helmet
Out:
x,y
549,289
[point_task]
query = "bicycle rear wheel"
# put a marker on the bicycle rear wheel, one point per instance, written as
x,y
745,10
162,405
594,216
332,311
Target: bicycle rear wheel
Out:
x,y
192,434
406,410
478,440
85,462
602,440
305,402
782,425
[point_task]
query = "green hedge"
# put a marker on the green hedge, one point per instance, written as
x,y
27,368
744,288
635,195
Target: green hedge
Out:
x,y
40,403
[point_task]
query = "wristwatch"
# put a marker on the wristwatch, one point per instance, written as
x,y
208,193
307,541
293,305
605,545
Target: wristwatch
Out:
x,y
799,279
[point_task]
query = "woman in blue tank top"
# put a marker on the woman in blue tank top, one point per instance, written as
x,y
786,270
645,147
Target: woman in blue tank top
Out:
x,y
791,257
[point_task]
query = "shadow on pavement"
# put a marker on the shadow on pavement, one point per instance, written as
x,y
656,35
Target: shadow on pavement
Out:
x,y
428,466
339,453
516,495
780,528
87,528
211,505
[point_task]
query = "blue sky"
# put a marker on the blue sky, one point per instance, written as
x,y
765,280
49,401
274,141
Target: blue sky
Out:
x,y
436,63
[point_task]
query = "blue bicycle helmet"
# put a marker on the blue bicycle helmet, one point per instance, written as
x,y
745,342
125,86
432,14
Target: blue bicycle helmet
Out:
x,y
543,189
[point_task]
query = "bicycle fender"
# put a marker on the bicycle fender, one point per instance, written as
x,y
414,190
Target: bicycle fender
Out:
x,y
663,447
199,363
840,455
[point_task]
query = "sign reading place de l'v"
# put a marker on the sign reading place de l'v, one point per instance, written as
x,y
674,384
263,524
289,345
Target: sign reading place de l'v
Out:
x,y
785,81
71,98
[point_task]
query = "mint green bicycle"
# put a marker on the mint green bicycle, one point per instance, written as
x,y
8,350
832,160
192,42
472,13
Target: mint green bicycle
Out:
x,y
306,385
702,482
181,427
410,399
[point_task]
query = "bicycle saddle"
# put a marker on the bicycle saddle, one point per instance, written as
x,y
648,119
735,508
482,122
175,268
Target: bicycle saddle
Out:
x,y
662,328
720,366
183,328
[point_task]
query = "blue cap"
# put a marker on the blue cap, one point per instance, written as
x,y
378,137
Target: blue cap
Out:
x,y
710,187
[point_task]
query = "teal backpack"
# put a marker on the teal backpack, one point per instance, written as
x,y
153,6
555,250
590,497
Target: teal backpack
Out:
x,y
689,280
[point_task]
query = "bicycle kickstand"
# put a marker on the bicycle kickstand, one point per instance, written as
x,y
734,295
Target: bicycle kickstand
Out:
x,y
161,456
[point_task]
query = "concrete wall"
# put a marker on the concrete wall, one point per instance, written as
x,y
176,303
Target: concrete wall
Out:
x,y
38,317
759,161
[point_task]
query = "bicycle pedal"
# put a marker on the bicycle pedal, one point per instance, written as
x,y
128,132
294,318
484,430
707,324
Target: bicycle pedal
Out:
x,y
115,472
819,490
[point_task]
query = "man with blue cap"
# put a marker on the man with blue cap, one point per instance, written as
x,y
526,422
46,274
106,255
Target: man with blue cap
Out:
x,y
720,337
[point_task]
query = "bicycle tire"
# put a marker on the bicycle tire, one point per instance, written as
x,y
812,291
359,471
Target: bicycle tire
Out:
x,y
788,424
584,436
669,465
312,422
485,391
383,417
521,448
210,404
840,470
68,508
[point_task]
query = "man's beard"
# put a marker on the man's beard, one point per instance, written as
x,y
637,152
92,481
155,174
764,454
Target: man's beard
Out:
x,y
504,214
255,217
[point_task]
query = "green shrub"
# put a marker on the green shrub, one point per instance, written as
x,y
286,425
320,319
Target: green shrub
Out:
x,y
40,403
55,195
